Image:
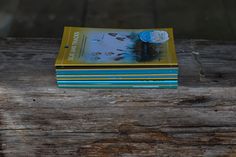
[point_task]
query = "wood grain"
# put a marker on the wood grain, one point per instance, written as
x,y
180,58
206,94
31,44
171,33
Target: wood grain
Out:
x,y
46,18
120,14
198,18
39,119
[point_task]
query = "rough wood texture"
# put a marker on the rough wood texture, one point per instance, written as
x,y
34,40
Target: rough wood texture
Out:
x,y
211,19
47,18
120,14
202,18
38,119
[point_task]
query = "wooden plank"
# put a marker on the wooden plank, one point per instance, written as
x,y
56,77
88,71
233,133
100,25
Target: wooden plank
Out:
x,y
120,14
7,11
47,18
201,19
197,65
229,11
39,119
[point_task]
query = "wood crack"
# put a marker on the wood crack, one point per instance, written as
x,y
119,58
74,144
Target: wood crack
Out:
x,y
196,57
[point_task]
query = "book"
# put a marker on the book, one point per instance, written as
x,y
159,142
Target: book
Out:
x,y
117,58
146,82
117,77
120,86
117,71
99,47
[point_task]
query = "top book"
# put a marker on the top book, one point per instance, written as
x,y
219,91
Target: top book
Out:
x,y
101,47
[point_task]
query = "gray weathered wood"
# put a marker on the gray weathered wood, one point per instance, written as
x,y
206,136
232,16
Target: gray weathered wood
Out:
x,y
201,19
38,119
47,18
120,14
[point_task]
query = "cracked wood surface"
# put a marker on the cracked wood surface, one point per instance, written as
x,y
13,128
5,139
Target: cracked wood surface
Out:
x,y
39,119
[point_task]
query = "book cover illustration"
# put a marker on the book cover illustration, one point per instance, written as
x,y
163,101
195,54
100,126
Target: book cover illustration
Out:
x,y
121,47
101,47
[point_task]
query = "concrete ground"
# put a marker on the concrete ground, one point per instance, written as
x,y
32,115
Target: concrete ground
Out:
x,y
208,19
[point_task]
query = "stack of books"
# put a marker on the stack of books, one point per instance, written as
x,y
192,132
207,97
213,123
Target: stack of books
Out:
x,y
117,58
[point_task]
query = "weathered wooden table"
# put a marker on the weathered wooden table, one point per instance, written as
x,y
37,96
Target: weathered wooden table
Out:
x,y
38,119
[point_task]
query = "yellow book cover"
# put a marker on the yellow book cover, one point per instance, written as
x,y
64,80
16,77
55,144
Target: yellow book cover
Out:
x,y
101,47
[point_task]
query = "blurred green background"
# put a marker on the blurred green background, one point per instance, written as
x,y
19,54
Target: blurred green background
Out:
x,y
203,19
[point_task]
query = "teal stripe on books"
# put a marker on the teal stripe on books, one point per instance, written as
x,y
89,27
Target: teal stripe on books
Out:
x,y
172,82
108,72
113,77
122,87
